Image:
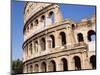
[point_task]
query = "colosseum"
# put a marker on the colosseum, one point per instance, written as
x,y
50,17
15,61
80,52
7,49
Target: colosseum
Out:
x,y
52,43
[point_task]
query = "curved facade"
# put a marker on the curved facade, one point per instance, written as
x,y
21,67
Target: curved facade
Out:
x,y
52,43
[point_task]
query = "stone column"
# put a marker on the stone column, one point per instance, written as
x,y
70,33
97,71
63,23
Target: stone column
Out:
x,y
39,46
70,62
57,14
28,51
70,38
40,67
84,61
47,65
25,51
57,39
33,49
24,69
24,55
85,36
59,65
47,43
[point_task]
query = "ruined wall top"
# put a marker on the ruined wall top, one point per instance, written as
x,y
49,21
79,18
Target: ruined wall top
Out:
x,y
32,8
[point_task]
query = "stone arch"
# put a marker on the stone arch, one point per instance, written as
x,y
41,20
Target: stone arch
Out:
x,y
73,26
31,25
36,68
31,68
77,62
43,67
64,64
80,37
93,61
63,38
43,44
52,41
52,17
43,20
91,35
52,66
36,22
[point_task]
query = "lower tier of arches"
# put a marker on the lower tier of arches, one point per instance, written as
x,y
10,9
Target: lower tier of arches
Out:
x,y
77,61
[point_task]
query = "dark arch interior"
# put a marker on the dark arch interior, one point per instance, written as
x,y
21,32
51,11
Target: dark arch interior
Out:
x,y
93,61
53,41
43,44
52,66
36,69
77,63
51,15
80,37
36,22
90,34
31,25
65,66
63,38
31,68
43,67
73,26
43,18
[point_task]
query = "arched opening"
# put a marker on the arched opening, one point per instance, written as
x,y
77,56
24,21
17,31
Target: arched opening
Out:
x,y
80,37
64,64
43,67
77,63
91,35
51,15
36,22
43,44
31,68
36,46
93,61
52,66
43,20
53,41
31,25
36,68
73,26
63,38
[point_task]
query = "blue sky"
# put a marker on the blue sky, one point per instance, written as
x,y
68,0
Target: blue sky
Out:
x,y
75,12
17,29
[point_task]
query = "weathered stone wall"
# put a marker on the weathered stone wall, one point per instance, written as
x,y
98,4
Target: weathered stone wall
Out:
x,y
54,44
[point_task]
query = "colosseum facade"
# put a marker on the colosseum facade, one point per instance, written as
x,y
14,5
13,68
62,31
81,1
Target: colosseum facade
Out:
x,y
52,43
